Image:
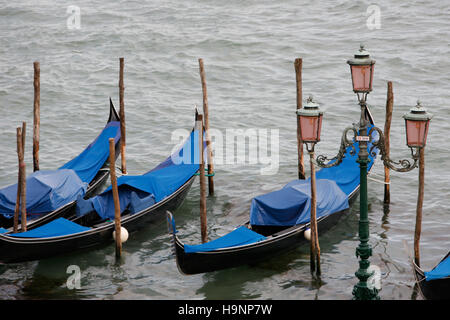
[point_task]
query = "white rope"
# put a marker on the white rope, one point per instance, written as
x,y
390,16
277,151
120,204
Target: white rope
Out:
x,y
377,180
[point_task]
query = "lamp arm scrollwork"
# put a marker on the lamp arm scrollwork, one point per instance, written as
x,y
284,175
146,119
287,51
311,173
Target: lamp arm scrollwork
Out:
x,y
403,165
325,162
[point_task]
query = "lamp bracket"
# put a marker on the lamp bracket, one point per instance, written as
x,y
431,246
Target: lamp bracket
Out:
x,y
403,165
325,162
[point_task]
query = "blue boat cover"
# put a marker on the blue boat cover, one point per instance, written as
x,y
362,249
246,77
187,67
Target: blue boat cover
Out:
x,y
55,228
140,192
89,162
291,204
442,270
347,173
47,190
237,237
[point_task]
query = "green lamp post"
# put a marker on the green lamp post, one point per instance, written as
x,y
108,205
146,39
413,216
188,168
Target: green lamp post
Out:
x,y
416,121
362,68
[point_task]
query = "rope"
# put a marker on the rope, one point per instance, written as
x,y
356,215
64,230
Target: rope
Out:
x,y
207,174
376,180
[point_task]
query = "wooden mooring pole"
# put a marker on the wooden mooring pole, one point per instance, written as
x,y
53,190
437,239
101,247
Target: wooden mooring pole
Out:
x,y
36,113
208,135
203,226
419,206
20,140
122,118
21,201
115,191
387,132
315,248
298,77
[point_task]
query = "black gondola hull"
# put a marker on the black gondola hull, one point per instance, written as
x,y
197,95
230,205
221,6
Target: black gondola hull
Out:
x,y
13,250
438,289
287,240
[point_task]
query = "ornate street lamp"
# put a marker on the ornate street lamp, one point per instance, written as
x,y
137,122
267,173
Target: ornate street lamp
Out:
x,y
361,67
416,121
310,122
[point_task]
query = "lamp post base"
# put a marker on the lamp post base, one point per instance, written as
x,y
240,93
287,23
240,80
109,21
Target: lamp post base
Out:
x,y
362,292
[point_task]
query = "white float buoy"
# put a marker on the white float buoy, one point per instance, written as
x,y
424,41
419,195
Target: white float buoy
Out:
x,y
123,234
307,234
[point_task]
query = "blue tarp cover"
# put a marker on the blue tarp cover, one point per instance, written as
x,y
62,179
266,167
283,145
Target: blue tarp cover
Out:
x,y
237,237
292,204
139,192
87,163
347,173
442,270
55,228
48,190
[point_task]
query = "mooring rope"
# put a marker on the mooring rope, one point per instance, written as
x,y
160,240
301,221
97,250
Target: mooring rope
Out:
x,y
376,180
207,174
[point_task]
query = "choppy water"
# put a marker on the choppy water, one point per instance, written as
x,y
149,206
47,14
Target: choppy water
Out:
x,y
248,48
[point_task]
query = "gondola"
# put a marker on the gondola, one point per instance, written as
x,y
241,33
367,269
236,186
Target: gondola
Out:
x,y
144,200
54,192
253,242
434,284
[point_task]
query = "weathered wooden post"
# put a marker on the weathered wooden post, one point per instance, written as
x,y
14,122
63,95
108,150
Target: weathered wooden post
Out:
x,y
208,135
315,248
36,113
19,177
298,77
387,132
419,207
21,201
417,123
115,191
122,118
310,123
20,145
204,232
